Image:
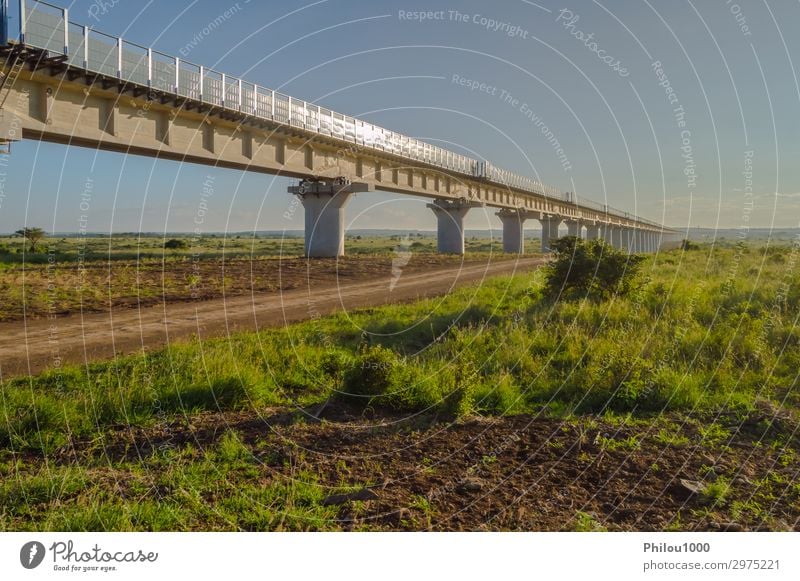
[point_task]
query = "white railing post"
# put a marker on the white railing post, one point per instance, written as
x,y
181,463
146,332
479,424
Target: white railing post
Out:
x,y
224,89
66,31
150,68
23,19
86,47
177,74
202,81
240,94
4,23
273,103
119,57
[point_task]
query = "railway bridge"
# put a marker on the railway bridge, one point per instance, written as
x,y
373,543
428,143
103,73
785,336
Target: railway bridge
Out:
x,y
67,83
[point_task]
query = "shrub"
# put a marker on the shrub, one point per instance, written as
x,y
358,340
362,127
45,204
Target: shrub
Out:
x,y
689,245
590,268
374,372
176,244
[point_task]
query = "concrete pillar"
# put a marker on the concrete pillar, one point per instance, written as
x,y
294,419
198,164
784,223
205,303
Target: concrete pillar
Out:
x,y
324,204
617,237
593,232
608,234
573,228
450,224
550,226
513,231
636,240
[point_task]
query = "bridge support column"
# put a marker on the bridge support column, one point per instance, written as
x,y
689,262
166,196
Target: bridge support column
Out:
x,y
324,204
550,226
450,224
617,237
573,228
608,234
513,232
593,232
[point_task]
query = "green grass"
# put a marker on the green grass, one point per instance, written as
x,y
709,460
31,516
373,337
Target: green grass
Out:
x,y
693,340
586,523
681,343
715,493
99,248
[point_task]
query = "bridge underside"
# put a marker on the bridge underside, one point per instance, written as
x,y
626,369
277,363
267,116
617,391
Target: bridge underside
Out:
x,y
46,100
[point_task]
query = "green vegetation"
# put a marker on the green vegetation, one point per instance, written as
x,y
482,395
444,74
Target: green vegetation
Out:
x,y
176,244
710,333
146,247
716,492
586,523
590,269
32,235
681,342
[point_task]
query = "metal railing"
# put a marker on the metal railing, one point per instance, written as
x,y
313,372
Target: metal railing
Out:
x,y
47,27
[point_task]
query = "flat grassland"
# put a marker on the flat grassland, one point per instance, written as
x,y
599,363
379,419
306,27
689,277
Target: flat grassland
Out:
x,y
493,408
94,274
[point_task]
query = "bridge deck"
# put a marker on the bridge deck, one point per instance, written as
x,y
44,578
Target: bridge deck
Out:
x,y
69,51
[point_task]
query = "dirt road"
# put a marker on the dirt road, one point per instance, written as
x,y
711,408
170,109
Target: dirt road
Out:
x,y
32,346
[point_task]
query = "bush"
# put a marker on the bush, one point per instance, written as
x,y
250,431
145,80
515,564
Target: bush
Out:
x,y
590,268
176,244
689,245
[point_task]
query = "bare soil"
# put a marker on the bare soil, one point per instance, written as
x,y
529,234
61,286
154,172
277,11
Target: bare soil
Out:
x,y
34,291
509,473
302,289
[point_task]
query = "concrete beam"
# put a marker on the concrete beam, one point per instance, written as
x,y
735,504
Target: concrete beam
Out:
x,y
324,204
513,231
64,105
450,224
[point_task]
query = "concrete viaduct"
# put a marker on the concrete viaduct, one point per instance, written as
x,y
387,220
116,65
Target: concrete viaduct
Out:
x,y
67,83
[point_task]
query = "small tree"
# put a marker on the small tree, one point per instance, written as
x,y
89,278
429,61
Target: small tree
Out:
x,y
176,244
32,235
590,268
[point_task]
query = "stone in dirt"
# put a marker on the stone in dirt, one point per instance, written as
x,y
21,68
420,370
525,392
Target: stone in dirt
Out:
x,y
470,485
363,494
688,488
730,527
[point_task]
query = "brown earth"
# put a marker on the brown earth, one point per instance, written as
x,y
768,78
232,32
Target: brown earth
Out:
x,y
302,290
511,473
33,291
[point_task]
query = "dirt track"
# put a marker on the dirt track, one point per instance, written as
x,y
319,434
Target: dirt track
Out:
x,y
32,346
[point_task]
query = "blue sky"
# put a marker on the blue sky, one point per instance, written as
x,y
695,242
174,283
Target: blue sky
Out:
x,y
585,70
